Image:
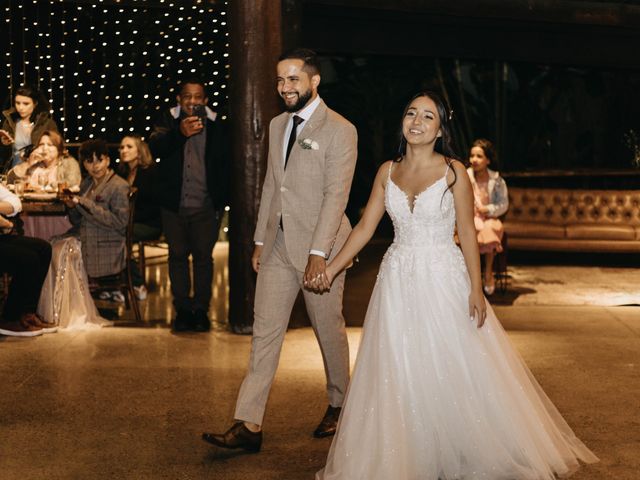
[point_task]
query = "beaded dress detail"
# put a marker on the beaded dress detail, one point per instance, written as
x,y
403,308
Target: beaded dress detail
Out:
x,y
432,397
65,298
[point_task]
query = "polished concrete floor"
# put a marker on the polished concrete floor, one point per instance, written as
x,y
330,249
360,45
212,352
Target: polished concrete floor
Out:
x,y
130,402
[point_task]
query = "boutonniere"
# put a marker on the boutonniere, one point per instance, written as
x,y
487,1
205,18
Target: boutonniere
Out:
x,y
308,144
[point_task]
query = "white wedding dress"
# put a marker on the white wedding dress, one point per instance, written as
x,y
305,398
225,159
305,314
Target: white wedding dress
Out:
x,y
65,298
432,396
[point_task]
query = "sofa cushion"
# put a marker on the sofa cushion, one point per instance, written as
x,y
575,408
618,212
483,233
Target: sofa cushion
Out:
x,y
595,231
563,206
534,230
576,245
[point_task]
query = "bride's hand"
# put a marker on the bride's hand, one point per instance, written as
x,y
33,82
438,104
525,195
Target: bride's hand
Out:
x,y
477,307
322,283
328,277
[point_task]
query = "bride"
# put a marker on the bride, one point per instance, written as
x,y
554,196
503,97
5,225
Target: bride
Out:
x,y
437,392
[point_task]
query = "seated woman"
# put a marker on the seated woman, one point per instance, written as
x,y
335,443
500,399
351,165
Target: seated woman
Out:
x,y
23,124
46,167
138,168
491,201
95,247
27,261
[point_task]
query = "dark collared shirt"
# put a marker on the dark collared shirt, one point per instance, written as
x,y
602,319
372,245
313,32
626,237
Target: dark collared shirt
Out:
x,y
195,193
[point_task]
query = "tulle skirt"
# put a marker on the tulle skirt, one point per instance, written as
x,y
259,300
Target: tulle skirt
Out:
x,y
65,297
434,397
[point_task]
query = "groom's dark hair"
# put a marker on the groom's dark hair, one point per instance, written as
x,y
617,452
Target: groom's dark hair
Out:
x,y
309,57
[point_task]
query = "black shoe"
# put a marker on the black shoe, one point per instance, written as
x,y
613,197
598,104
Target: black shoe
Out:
x,y
201,322
238,436
329,422
183,321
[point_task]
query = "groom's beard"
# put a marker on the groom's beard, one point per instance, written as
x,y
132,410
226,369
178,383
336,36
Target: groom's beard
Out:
x,y
299,105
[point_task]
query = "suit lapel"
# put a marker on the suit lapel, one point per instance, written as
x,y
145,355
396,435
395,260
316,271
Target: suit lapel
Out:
x,y
276,146
310,126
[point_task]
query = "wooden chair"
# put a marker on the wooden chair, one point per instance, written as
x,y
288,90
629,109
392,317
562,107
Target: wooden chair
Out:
x,y
124,280
158,243
133,300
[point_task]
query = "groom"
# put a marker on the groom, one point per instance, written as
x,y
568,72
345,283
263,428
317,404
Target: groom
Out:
x,y
301,223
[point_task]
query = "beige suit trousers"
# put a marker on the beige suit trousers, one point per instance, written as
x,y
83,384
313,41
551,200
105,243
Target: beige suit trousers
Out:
x,y
277,287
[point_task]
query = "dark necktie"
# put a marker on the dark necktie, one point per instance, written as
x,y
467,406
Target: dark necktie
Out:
x,y
292,137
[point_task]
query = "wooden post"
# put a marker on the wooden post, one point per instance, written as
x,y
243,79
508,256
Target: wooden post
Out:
x,y
255,44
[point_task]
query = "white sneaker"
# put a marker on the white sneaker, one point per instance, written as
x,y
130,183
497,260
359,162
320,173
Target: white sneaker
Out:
x,y
141,292
104,295
117,296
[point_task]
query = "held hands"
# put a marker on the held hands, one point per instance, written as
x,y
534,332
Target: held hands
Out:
x,y
317,276
477,307
480,208
190,126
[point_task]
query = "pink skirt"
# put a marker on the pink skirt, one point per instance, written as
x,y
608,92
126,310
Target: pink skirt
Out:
x,y
490,231
45,226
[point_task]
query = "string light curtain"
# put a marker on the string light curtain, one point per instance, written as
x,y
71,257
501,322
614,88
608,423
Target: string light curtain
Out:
x,y
110,67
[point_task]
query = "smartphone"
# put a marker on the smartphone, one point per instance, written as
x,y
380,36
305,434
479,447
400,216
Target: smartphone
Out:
x,y
199,111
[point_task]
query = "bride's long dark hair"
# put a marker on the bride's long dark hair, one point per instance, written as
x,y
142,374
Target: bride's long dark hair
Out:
x,y
444,143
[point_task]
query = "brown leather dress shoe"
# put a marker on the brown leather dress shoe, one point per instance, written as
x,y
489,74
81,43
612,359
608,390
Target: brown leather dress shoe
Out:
x,y
238,436
36,321
329,422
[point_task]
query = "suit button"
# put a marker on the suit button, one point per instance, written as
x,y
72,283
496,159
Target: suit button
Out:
x,y
282,189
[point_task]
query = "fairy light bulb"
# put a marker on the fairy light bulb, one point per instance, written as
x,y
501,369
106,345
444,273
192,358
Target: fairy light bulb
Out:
x,y
83,55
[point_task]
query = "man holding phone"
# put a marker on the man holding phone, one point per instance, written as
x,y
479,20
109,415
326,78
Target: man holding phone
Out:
x,y
193,190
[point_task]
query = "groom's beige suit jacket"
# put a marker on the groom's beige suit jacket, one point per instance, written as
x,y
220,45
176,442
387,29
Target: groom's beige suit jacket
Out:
x,y
311,194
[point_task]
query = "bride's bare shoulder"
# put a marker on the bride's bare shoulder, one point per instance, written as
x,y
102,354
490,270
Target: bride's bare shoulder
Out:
x,y
384,171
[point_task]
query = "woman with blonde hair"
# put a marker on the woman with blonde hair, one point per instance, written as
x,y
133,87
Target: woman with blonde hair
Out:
x,y
138,168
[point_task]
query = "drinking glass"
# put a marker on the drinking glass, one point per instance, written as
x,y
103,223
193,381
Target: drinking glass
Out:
x,y
19,188
42,181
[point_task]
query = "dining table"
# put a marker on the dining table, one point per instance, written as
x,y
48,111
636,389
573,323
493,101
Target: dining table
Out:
x,y
44,215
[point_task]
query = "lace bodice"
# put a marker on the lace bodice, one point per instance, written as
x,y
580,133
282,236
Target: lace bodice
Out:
x,y
432,219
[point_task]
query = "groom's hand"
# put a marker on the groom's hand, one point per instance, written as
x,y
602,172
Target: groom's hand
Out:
x,y
314,272
255,258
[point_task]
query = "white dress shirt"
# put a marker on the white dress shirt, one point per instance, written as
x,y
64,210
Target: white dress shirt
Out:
x,y
304,114
10,198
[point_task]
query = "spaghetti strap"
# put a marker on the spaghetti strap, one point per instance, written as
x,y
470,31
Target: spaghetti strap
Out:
x,y
389,172
448,162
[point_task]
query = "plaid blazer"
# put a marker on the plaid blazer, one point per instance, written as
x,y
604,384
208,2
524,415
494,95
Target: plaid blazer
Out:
x,y
101,219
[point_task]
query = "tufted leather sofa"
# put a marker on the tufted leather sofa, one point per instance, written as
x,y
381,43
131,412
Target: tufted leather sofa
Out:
x,y
573,220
